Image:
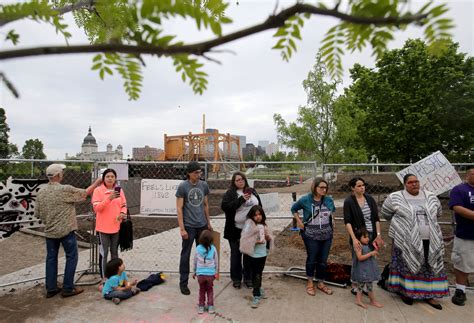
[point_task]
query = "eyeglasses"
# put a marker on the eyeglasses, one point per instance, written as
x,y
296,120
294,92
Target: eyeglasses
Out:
x,y
413,182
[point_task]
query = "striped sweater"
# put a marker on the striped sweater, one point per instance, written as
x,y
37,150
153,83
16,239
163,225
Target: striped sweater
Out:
x,y
405,232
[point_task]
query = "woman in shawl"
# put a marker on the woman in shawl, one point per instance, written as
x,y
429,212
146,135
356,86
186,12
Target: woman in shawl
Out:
x,y
417,269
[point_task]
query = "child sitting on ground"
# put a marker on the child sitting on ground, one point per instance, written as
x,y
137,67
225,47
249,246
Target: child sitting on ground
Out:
x,y
117,287
206,269
365,270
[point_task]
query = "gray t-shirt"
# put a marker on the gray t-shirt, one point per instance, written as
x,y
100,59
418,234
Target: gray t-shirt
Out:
x,y
418,204
193,209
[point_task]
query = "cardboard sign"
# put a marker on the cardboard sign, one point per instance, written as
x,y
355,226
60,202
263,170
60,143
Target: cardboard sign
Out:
x,y
158,196
434,172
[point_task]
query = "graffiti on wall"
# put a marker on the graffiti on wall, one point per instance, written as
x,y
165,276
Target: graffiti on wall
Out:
x,y
17,203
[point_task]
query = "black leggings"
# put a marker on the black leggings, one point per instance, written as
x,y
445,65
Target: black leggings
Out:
x,y
256,268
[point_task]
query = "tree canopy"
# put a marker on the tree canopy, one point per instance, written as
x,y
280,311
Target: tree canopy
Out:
x,y
33,149
120,31
7,149
415,103
313,133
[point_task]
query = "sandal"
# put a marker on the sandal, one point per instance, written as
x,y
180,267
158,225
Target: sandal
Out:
x,y
325,289
310,290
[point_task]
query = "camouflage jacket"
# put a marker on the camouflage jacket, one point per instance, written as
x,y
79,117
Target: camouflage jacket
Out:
x,y
55,208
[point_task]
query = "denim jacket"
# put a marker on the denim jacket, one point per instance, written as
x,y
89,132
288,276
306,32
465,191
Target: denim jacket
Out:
x,y
306,203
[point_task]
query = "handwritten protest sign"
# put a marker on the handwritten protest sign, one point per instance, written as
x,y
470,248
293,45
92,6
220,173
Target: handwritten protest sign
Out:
x,y
158,196
434,172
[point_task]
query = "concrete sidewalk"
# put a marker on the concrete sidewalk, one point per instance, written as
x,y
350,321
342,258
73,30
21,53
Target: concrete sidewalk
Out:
x,y
287,302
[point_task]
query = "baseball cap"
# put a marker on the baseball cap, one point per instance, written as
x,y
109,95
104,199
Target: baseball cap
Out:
x,y
54,169
192,167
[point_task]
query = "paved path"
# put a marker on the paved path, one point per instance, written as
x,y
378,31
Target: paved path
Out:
x,y
287,302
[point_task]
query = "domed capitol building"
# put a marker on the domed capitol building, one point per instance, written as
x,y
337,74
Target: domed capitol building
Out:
x,y
89,150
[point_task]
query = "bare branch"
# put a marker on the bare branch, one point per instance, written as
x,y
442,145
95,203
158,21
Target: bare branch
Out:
x,y
9,85
274,21
211,59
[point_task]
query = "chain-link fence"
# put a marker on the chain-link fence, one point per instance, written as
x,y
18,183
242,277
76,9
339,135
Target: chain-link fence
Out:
x,y
157,240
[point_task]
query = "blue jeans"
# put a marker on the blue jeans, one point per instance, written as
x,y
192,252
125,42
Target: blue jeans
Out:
x,y
120,294
69,244
317,255
187,245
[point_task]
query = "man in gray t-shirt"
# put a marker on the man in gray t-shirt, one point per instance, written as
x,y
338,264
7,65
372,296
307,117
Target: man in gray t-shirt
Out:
x,y
193,217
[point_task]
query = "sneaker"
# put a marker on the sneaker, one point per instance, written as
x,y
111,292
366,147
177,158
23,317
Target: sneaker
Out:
x,y
53,292
211,309
185,290
135,290
116,300
236,285
200,309
255,301
459,297
262,293
73,292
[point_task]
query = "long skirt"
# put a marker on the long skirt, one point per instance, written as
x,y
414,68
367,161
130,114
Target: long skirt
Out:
x,y
423,285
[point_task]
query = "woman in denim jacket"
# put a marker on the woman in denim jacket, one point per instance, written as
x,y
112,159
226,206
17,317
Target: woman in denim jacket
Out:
x,y
317,228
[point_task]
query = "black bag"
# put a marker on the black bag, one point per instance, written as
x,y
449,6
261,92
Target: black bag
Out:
x,y
383,282
126,234
152,280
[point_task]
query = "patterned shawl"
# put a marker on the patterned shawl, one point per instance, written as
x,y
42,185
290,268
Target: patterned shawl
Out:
x,y
405,232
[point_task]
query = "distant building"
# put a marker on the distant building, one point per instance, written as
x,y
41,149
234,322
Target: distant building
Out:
x,y
263,143
89,150
250,152
272,149
146,153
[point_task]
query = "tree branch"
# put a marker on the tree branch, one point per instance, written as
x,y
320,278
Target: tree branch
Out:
x,y
201,48
84,4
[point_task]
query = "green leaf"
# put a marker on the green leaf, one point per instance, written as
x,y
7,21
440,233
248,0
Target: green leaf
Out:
x,y
280,32
96,66
97,58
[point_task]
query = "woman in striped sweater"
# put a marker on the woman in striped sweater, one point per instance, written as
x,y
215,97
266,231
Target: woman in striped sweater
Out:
x,y
417,269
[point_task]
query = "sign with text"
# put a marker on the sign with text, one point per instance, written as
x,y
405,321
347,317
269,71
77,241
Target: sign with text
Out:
x,y
158,196
121,169
434,172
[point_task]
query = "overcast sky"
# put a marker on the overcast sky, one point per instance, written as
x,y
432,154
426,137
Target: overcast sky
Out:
x,y
61,96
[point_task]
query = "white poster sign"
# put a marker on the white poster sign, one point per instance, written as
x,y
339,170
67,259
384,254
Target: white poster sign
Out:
x,y
270,202
158,196
434,172
121,169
